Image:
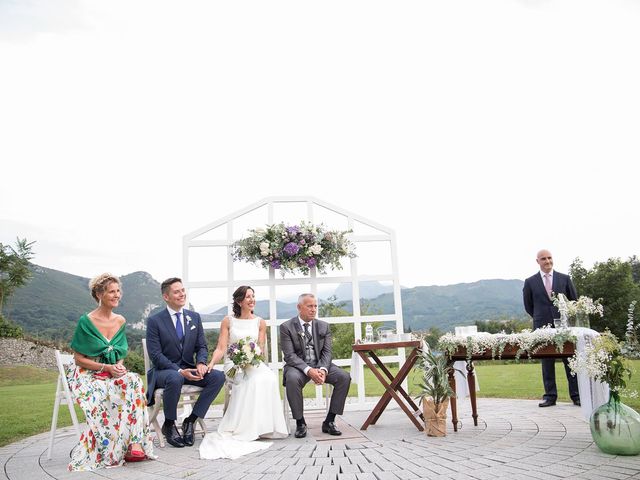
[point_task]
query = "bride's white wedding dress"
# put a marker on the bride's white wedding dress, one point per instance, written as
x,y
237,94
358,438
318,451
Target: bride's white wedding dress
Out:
x,y
255,407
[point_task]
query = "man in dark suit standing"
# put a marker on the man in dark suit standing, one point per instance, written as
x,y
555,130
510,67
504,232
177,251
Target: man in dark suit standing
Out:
x,y
178,350
306,346
537,302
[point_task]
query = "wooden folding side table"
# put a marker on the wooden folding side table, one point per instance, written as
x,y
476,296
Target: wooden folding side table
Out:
x,y
392,385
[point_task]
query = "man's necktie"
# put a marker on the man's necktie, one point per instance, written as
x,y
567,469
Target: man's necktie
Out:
x,y
307,333
179,330
547,284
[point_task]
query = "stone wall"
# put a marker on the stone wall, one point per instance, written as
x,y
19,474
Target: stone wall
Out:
x,y
15,351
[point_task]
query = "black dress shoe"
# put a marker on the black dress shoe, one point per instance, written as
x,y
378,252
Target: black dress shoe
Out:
x,y
301,431
172,435
547,403
330,428
576,402
188,436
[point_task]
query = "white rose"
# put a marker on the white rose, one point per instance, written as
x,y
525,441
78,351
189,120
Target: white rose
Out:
x,y
264,249
246,349
315,249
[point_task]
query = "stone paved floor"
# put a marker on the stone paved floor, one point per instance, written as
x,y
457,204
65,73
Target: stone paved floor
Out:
x,y
514,440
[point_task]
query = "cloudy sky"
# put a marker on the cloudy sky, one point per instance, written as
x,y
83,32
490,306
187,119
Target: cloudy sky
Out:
x,y
479,131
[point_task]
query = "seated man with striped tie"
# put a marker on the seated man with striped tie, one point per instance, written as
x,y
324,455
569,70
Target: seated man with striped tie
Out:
x,y
178,351
306,346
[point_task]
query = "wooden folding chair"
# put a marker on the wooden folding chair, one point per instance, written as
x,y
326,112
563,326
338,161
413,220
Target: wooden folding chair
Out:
x,y
63,395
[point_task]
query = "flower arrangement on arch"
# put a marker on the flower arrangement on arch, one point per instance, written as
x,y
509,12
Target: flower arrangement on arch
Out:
x,y
291,248
244,353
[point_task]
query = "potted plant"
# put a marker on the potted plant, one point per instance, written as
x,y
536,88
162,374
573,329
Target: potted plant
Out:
x,y
434,391
615,427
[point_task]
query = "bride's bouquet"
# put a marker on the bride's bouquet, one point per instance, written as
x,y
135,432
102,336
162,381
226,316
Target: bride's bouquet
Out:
x,y
244,353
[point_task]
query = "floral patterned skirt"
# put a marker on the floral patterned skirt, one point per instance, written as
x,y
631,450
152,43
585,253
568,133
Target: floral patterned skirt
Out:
x,y
116,413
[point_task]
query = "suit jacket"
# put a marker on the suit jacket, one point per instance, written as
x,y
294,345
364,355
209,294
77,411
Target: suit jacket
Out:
x,y
167,352
538,304
292,344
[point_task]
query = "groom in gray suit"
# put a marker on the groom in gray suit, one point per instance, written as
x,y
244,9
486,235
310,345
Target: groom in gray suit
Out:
x,y
306,346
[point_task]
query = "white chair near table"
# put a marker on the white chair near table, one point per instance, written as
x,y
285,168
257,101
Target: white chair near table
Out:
x,y
462,387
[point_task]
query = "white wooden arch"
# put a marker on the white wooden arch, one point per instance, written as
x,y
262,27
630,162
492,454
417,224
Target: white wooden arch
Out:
x,y
221,234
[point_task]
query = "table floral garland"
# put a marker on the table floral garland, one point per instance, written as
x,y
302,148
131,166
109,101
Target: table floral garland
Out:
x,y
527,342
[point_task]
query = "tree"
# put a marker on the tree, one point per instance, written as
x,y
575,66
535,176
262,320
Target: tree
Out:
x,y
342,334
432,336
507,325
14,267
612,282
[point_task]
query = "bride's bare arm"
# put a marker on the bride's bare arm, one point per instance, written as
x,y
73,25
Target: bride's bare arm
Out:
x,y
221,347
262,336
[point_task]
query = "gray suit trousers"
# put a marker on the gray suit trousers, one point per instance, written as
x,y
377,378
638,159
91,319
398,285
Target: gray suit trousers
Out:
x,y
295,380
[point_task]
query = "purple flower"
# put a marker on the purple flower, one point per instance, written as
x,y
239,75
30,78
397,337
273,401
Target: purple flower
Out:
x,y
291,248
252,345
311,262
276,264
293,231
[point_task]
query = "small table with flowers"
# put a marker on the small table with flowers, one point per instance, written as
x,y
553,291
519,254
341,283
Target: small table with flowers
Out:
x,y
510,353
392,384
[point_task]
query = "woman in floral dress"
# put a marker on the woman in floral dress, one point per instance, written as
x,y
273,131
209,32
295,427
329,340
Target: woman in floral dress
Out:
x,y
111,398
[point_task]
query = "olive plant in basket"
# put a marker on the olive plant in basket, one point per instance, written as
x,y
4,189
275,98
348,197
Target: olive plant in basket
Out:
x,y
434,391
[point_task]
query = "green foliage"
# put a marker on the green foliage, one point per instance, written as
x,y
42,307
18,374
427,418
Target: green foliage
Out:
x,y
510,325
14,267
343,334
134,362
631,346
211,337
432,336
8,329
613,282
434,382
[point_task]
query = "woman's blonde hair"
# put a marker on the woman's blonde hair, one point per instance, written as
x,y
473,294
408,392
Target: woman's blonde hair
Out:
x,y
99,284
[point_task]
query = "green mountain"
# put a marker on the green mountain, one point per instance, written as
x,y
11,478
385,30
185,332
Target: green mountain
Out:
x,y
51,303
454,305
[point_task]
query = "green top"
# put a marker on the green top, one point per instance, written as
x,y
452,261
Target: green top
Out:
x,y
88,341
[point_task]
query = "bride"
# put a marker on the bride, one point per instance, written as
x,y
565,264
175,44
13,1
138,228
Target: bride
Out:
x,y
255,408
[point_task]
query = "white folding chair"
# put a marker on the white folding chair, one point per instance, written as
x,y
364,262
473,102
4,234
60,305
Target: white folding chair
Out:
x,y
63,395
462,387
327,389
188,396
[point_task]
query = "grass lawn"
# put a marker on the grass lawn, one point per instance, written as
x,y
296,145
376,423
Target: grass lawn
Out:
x,y
27,393
26,402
